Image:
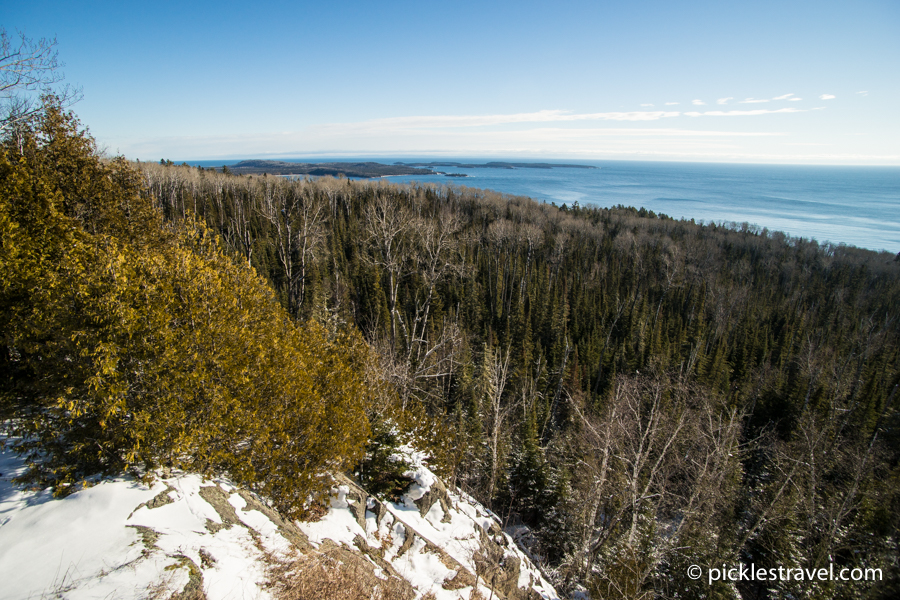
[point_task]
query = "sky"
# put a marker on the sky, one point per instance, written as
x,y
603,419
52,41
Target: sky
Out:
x,y
805,82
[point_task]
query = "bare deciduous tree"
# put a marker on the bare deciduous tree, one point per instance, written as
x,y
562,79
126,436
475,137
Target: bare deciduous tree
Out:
x,y
657,463
495,375
387,226
28,66
298,221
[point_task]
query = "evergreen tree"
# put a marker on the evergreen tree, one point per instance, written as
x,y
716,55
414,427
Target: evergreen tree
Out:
x,y
128,344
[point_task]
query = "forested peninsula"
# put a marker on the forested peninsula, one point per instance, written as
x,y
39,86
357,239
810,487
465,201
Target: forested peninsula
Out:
x,y
632,394
368,170
362,170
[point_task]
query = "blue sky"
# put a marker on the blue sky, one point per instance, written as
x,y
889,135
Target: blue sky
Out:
x,y
771,82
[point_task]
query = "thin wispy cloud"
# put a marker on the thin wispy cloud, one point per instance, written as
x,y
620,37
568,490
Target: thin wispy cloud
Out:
x,y
440,122
656,132
620,116
742,113
827,97
863,93
753,101
455,121
543,142
546,131
784,97
724,100
588,140
698,103
795,99
646,105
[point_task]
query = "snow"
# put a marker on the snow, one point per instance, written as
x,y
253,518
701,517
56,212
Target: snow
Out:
x,y
419,472
269,536
91,543
338,524
46,544
123,539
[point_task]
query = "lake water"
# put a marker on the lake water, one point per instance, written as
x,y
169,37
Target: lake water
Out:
x,y
852,205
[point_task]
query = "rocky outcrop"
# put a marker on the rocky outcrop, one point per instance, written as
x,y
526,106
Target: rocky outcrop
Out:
x,y
436,493
432,525
189,537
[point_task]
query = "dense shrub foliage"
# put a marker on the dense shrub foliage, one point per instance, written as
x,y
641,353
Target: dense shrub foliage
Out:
x,y
128,343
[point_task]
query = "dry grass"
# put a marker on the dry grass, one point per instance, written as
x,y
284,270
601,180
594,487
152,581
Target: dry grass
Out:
x,y
335,575
475,594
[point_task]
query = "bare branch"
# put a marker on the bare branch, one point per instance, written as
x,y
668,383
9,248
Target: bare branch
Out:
x,y
28,66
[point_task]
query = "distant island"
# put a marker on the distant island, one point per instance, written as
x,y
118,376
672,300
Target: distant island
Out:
x,y
334,169
374,169
496,165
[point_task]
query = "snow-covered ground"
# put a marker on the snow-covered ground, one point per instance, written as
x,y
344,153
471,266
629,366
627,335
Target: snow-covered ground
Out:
x,y
123,539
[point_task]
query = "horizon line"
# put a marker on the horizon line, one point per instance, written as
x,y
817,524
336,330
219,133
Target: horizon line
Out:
x,y
355,157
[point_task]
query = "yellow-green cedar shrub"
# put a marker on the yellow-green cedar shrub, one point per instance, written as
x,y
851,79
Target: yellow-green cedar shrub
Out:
x,y
128,344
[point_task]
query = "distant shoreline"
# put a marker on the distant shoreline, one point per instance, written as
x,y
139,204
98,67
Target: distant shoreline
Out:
x,y
370,170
